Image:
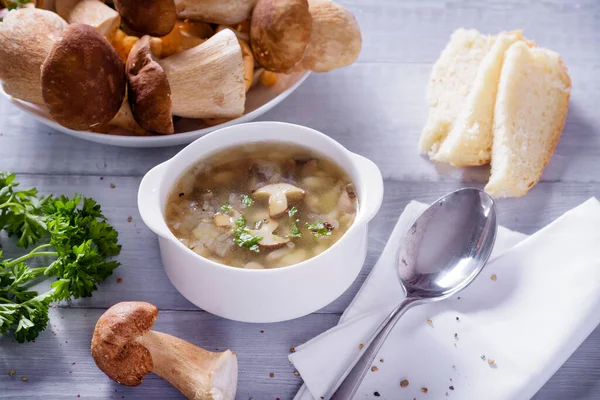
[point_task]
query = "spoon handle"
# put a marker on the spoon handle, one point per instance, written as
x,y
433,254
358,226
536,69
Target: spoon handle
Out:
x,y
349,383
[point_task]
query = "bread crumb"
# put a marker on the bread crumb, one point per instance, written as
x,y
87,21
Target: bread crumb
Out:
x,y
271,375
381,360
24,379
112,186
430,322
404,383
494,277
119,280
491,362
292,349
374,368
129,219
360,346
12,372
296,373
424,390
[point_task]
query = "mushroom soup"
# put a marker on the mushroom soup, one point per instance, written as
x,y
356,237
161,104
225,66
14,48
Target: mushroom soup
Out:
x,y
261,206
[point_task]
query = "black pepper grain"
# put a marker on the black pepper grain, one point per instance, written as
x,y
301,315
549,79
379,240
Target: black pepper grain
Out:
x,y
451,387
376,394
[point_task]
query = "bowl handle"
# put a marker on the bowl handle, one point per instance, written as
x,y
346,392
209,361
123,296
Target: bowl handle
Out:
x,y
372,197
149,201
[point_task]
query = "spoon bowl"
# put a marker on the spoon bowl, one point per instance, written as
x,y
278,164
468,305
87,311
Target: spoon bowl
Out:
x,y
441,253
448,245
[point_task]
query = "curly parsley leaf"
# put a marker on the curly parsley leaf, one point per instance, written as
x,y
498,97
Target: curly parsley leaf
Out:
x,y
80,241
292,211
320,229
226,207
245,239
295,231
247,200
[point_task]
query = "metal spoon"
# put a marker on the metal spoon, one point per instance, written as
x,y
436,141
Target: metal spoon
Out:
x,y
442,252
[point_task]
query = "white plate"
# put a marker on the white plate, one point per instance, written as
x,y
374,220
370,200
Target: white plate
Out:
x,y
259,100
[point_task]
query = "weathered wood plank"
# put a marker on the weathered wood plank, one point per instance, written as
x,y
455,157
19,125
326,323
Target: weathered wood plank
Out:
x,y
387,109
144,278
59,364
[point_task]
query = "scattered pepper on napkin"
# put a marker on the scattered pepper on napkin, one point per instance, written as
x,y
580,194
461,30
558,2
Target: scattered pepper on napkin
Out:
x,y
501,338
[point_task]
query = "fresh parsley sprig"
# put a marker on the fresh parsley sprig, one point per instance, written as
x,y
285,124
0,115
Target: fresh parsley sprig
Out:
x,y
78,241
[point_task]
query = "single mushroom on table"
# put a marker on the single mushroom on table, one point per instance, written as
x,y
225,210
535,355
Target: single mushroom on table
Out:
x,y
156,18
335,40
206,81
226,12
89,12
280,196
126,350
280,32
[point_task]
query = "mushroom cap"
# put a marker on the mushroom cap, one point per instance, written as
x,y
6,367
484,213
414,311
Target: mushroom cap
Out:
x,y
26,37
83,79
114,345
148,89
269,239
280,32
335,41
148,17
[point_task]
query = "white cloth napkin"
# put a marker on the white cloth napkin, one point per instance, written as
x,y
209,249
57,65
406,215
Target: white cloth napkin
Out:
x,y
543,303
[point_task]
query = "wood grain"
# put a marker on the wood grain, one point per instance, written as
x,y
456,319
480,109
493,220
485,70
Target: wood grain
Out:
x,y
376,108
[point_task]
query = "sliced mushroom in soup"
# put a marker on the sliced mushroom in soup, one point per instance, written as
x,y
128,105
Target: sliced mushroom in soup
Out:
x,y
262,206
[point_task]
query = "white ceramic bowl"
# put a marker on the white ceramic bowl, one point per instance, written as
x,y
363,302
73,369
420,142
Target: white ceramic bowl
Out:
x,y
259,100
270,295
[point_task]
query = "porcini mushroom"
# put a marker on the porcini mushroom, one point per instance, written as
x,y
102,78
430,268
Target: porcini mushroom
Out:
x,y
206,81
269,239
156,18
225,12
280,32
26,37
83,79
335,41
89,12
125,349
280,196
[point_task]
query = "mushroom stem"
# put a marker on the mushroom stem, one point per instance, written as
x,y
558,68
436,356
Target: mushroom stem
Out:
x,y
197,373
225,12
90,12
207,81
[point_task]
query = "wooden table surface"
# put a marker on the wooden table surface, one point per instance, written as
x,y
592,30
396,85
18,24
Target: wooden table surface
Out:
x,y
376,108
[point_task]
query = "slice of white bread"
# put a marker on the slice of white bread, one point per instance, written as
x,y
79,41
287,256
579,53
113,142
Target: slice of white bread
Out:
x,y
529,115
452,78
469,142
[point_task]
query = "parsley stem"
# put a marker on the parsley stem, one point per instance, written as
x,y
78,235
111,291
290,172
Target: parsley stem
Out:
x,y
33,253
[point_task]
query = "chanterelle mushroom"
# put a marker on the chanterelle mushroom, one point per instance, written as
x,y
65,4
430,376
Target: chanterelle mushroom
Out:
x,y
26,37
206,81
125,349
280,196
269,240
156,17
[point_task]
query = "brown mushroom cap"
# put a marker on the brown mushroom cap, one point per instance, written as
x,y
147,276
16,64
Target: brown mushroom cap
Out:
x,y
280,32
148,90
148,17
83,79
335,41
114,345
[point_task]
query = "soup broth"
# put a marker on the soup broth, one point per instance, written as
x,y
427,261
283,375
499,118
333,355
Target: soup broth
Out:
x,y
262,206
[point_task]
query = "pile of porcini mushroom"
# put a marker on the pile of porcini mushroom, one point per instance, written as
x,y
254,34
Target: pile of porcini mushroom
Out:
x,y
135,64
